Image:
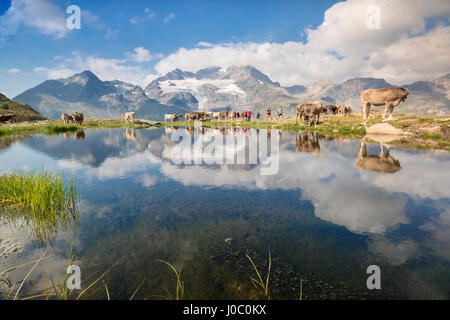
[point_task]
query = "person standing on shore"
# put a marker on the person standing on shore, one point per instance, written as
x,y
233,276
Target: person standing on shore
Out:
x,y
269,113
280,113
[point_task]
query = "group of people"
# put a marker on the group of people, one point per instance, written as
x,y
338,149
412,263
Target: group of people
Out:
x,y
269,114
245,115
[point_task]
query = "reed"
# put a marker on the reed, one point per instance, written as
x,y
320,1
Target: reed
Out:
x,y
263,284
45,200
179,292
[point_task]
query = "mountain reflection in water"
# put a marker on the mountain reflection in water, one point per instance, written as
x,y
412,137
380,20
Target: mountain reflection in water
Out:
x,y
333,208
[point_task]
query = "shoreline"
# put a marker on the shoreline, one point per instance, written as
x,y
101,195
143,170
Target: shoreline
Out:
x,y
419,132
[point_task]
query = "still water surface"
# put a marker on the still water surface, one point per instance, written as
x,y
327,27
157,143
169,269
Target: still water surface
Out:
x,y
333,208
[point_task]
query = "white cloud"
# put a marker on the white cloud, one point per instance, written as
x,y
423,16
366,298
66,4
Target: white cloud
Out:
x,y
169,17
341,47
37,14
13,70
142,55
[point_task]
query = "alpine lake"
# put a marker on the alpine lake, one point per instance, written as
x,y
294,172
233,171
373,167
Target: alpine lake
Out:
x,y
328,210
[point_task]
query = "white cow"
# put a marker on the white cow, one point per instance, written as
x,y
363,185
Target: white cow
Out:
x,y
129,117
172,117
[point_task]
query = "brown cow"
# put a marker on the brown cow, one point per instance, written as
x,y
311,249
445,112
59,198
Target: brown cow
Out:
x,y
223,114
390,97
309,112
78,118
332,109
66,118
8,117
344,109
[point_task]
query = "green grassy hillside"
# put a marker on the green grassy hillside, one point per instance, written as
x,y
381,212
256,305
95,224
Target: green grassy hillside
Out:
x,y
21,111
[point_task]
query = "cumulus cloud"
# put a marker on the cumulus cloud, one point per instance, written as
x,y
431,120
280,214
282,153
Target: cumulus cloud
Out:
x,y
342,46
13,70
142,55
40,15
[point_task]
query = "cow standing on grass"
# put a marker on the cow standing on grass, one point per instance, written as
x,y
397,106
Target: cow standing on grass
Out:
x,y
77,118
390,97
309,112
129,117
172,117
65,118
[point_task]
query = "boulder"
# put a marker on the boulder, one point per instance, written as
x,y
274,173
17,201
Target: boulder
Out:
x,y
385,129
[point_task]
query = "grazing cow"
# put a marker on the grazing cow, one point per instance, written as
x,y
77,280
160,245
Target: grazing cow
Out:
x,y
223,114
390,97
66,118
129,117
172,117
216,115
77,118
209,114
332,109
348,110
344,109
309,112
382,163
9,117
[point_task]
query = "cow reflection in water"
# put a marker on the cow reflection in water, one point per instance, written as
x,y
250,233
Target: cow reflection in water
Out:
x,y
170,129
130,134
79,135
382,163
308,142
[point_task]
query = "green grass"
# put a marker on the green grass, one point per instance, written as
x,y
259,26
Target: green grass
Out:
x,y
259,282
57,126
45,200
179,291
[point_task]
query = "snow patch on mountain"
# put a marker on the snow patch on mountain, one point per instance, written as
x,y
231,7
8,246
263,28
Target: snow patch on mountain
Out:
x,y
194,87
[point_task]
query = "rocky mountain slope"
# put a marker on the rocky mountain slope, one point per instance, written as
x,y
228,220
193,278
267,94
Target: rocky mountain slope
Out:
x,y
86,93
246,87
21,111
216,88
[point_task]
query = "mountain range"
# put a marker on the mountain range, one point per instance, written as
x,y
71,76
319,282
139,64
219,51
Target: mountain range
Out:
x,y
216,88
86,93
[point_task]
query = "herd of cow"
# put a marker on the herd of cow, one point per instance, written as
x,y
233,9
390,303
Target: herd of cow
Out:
x,y
309,112
305,111
76,118
203,115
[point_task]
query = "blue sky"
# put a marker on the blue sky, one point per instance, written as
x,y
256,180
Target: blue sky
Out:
x,y
294,42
